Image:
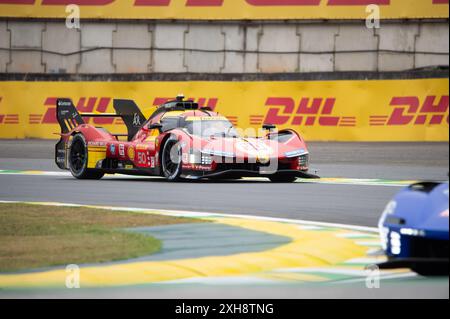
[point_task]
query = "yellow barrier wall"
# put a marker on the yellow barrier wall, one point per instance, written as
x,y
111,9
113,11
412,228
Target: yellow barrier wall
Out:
x,y
378,110
225,9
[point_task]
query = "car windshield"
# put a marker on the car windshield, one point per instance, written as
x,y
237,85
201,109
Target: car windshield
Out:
x,y
211,127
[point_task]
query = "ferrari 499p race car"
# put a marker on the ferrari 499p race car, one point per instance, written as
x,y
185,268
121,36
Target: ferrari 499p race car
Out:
x,y
179,140
414,229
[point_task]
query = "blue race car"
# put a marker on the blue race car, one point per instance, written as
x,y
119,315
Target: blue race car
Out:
x,y
414,229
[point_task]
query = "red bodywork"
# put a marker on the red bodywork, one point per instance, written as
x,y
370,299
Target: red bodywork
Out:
x,y
283,152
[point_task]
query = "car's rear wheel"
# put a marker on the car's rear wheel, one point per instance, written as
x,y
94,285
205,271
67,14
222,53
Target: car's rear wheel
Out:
x,y
171,160
78,160
282,178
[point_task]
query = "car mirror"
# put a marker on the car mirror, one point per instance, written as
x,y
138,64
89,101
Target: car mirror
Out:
x,y
269,127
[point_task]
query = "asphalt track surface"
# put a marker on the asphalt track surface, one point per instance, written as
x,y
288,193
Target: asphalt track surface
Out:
x,y
346,204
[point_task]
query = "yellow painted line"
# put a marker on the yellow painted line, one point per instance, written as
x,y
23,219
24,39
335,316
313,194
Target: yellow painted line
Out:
x,y
358,181
295,277
307,249
33,172
323,181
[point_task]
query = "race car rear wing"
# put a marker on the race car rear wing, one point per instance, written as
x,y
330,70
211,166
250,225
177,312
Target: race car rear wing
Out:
x,y
69,118
131,116
67,115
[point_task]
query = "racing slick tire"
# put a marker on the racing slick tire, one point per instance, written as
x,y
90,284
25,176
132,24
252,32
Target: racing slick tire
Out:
x,y
78,160
171,160
282,178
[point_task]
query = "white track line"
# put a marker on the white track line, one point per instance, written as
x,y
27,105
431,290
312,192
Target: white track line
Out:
x,y
205,214
323,181
382,277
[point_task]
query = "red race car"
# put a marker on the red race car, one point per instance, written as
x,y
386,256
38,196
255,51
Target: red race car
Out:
x,y
179,140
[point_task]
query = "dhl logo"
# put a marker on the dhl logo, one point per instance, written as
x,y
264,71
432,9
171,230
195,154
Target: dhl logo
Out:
x,y
84,105
100,105
409,110
8,118
210,3
308,112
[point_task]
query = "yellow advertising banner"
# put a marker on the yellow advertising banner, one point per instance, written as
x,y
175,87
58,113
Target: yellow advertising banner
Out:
x,y
375,110
225,9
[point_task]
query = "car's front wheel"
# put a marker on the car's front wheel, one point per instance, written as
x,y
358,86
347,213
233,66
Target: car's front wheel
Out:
x,y
171,161
78,160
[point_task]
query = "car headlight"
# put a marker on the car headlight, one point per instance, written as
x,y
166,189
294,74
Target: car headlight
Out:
x,y
396,243
296,153
206,159
303,160
384,233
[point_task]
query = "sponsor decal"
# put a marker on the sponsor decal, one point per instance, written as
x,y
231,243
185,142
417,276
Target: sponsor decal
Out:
x,y
152,162
197,167
140,147
142,158
64,103
121,150
83,105
136,120
351,110
129,166
96,143
8,118
224,9
307,112
408,110
112,149
233,119
131,153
